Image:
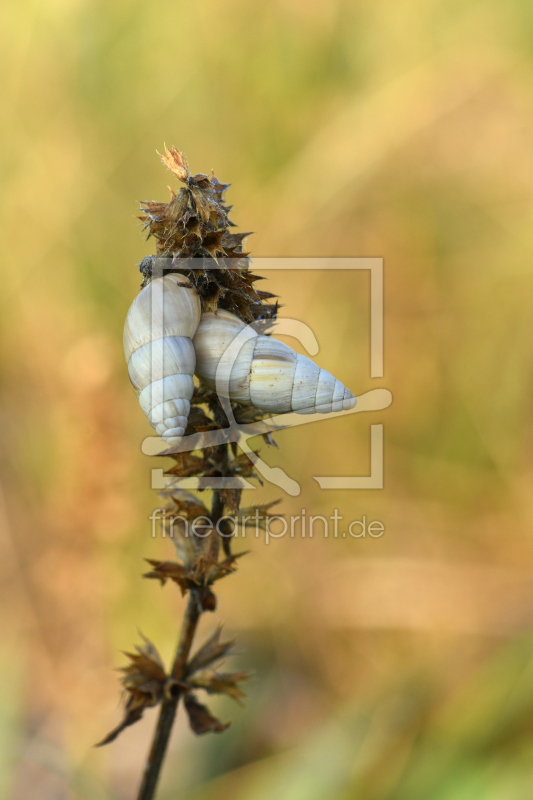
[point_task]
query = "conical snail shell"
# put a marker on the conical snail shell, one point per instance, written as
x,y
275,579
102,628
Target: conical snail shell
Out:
x,y
265,373
159,328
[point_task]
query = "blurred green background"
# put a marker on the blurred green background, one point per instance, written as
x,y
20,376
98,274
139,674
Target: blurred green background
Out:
x,y
398,668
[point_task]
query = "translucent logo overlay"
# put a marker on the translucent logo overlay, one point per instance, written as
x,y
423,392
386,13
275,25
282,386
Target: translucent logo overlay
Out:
x,y
241,434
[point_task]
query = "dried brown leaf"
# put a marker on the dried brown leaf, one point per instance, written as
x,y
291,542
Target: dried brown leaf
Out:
x,y
257,516
186,504
146,662
132,716
220,682
225,567
186,465
144,681
201,719
168,570
212,651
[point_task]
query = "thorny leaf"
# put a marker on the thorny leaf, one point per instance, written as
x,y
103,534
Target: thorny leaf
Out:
x,y
145,663
220,682
225,567
213,243
207,570
132,716
197,546
144,682
195,224
199,575
257,515
185,503
201,719
212,651
171,570
212,463
187,465
167,570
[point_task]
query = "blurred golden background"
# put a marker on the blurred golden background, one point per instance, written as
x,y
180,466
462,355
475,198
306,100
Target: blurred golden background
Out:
x,y
397,668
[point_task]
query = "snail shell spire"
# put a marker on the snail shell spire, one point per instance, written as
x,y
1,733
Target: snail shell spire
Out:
x,y
159,352
265,373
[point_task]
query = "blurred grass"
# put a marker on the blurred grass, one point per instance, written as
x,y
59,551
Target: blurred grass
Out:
x,y
397,668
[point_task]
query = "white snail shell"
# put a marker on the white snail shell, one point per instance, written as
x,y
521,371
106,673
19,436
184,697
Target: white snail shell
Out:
x,y
265,373
158,347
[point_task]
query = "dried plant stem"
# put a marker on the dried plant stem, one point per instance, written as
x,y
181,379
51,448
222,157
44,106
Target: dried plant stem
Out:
x,y
169,706
194,224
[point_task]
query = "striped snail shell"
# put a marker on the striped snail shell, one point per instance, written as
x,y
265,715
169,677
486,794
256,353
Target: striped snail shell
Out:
x,y
158,347
265,373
